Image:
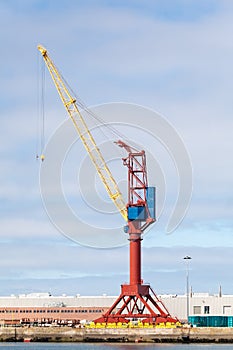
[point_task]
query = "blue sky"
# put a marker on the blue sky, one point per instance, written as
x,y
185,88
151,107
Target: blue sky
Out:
x,y
174,57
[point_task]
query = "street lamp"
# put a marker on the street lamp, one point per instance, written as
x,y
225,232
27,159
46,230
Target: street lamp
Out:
x,y
187,258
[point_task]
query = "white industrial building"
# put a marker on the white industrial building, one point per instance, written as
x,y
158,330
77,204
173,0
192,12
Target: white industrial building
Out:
x,y
88,307
200,304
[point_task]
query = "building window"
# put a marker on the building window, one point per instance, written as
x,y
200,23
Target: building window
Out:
x,y
227,310
206,309
197,310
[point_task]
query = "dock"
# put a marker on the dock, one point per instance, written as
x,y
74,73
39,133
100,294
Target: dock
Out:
x,y
135,335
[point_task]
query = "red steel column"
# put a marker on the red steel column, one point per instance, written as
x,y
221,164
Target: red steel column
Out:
x,y
135,259
135,239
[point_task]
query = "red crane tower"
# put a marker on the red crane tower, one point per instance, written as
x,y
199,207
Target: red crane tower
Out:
x,y
137,300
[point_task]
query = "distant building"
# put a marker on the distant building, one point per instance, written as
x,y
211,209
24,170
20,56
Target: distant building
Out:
x,y
43,308
200,304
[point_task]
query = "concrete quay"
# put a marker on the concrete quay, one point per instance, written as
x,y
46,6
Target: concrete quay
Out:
x,y
151,335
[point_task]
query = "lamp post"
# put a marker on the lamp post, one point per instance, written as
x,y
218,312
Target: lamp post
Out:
x,y
187,258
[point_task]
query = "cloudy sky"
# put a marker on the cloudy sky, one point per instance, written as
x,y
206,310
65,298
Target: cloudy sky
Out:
x,y
174,57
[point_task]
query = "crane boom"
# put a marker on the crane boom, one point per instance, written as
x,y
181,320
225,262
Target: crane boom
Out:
x,y
85,135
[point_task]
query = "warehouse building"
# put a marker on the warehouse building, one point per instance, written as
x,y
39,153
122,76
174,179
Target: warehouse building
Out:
x,y
44,308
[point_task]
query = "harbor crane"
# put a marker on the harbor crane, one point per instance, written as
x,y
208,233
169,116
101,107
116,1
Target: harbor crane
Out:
x,y
137,300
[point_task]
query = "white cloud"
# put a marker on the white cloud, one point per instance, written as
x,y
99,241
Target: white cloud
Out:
x,y
74,270
182,68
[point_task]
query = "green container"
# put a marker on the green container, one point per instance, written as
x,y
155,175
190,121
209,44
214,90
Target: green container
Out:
x,y
211,321
230,321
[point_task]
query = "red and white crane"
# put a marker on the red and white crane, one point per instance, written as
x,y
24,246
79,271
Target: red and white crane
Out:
x,y
137,300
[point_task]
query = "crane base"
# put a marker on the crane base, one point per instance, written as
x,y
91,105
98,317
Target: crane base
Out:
x,y
137,303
